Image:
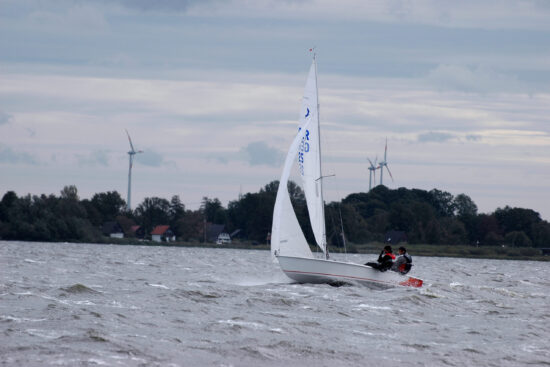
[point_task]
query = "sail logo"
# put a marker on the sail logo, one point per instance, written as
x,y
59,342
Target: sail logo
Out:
x,y
307,114
304,148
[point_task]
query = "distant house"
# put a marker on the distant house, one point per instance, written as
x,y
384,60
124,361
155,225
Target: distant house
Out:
x,y
223,239
213,231
113,230
395,237
137,231
163,234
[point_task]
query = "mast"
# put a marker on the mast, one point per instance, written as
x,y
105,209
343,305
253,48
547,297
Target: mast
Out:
x,y
128,205
324,236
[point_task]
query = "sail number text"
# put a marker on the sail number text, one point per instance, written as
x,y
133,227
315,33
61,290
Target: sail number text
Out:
x,y
304,148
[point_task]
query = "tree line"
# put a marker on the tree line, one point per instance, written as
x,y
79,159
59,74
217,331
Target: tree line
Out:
x,y
428,217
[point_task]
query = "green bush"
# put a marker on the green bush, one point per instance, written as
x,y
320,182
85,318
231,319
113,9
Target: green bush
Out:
x,y
530,251
479,251
517,239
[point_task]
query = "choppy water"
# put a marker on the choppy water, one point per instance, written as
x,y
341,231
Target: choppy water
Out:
x,y
83,304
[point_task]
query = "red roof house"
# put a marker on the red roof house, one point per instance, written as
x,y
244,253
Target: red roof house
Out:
x,y
163,234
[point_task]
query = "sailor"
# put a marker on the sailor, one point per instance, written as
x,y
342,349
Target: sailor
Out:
x,y
385,260
403,263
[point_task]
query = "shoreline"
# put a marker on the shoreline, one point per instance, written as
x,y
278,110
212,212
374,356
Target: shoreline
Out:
x,y
454,251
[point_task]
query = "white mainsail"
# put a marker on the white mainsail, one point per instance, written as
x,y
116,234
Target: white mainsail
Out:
x,y
287,238
309,157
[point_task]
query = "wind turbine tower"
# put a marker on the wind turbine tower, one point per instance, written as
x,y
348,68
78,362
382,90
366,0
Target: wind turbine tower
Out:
x,y
131,155
384,163
372,172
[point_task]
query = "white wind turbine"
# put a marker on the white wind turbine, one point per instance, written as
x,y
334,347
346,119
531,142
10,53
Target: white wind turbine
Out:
x,y
384,163
372,172
131,155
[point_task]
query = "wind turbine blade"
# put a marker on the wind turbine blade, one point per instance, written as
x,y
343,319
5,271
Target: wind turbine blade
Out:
x,y
130,140
372,165
388,168
386,150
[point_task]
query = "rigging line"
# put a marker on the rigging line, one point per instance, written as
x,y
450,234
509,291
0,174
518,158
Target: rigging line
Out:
x,y
342,233
329,147
341,220
320,178
334,226
332,218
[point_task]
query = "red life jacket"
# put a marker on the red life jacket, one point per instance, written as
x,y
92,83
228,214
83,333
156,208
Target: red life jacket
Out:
x,y
404,268
391,255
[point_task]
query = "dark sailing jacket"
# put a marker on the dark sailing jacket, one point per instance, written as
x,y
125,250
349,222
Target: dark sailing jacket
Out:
x,y
385,260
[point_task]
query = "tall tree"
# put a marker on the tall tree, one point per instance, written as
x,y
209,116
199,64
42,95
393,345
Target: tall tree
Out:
x,y
213,210
70,193
464,206
177,208
177,212
69,206
190,227
443,202
109,205
517,219
541,234
153,212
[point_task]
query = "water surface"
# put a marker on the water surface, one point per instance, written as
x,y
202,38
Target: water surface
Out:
x,y
85,304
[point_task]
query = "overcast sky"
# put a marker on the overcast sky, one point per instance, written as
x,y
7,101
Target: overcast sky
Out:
x,y
211,91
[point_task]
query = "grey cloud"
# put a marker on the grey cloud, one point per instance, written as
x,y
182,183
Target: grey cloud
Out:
x,y
222,160
32,132
95,158
437,137
400,9
8,155
259,153
476,80
473,137
5,118
150,158
158,5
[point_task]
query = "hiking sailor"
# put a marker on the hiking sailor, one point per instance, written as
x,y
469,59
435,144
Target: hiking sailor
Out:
x,y
403,263
385,260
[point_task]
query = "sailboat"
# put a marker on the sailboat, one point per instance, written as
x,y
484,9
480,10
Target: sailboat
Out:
x,y
288,243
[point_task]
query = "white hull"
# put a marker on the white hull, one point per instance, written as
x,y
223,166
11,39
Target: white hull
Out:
x,y
305,270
